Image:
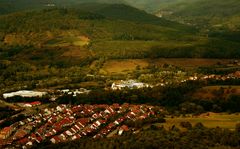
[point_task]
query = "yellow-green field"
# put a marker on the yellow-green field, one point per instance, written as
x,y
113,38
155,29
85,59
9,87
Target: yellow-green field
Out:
x,y
210,120
69,41
190,63
125,65
77,52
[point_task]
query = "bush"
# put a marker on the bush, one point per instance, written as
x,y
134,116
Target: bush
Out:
x,y
185,124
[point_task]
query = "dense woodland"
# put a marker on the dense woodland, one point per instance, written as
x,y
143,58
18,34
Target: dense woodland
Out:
x,y
5,112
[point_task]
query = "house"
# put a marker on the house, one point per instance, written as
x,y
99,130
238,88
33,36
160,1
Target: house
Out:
x,y
35,103
32,104
144,116
104,131
39,139
96,115
20,134
27,105
119,121
77,136
30,143
62,137
110,126
122,129
76,108
116,106
6,132
97,136
237,74
32,136
61,107
55,140
109,110
82,121
23,141
70,132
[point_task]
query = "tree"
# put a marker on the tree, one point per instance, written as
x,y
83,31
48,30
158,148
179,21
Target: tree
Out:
x,y
186,124
238,128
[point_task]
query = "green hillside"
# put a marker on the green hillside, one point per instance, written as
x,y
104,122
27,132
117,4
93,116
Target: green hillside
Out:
x,y
29,35
214,13
216,18
125,12
51,47
154,5
73,36
9,6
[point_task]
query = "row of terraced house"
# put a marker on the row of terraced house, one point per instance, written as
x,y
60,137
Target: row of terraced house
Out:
x,y
66,123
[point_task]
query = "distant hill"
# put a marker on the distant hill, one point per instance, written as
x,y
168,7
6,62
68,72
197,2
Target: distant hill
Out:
x,y
128,13
215,18
8,6
62,36
150,5
213,13
53,35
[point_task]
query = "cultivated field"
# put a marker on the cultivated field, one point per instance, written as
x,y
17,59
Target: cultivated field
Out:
x,y
77,52
68,41
211,92
124,65
210,120
190,63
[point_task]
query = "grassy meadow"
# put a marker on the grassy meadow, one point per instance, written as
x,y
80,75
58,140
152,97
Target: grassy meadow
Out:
x,y
210,120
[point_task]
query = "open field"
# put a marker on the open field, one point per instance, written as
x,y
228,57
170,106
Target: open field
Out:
x,y
77,52
69,40
190,63
124,65
210,92
210,120
121,66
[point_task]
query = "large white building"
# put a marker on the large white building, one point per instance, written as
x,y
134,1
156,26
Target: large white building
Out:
x,y
24,93
128,84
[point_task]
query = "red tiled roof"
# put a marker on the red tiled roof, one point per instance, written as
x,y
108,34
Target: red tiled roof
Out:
x,y
23,141
83,121
36,103
33,135
20,134
71,131
39,139
116,105
124,128
76,109
110,126
6,130
57,139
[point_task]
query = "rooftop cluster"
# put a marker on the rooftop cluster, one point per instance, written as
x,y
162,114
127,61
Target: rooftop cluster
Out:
x,y
66,123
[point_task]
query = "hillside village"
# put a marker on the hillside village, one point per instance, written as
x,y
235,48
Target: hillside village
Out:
x,y
65,123
71,122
